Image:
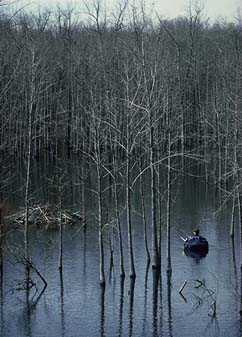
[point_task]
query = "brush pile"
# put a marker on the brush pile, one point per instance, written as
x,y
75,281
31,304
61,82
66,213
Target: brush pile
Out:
x,y
46,216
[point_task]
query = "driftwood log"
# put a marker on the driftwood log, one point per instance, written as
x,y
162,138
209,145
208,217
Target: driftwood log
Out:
x,y
45,216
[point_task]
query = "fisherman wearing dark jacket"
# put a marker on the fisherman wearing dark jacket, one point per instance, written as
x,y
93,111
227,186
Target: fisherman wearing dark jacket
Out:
x,y
196,240
195,237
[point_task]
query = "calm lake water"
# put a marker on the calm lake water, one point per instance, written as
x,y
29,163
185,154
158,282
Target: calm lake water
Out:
x,y
75,306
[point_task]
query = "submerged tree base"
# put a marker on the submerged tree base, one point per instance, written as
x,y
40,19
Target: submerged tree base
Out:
x,y
156,263
122,275
156,266
102,284
169,272
132,276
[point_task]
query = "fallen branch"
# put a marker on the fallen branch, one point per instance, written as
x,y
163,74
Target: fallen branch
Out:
x,y
30,264
44,215
201,284
214,311
182,287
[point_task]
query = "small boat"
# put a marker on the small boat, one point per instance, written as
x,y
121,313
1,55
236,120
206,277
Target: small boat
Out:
x,y
196,255
196,244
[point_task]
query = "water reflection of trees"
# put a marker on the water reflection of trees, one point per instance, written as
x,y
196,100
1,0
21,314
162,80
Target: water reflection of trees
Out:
x,y
145,297
102,312
62,308
121,307
169,302
131,305
2,325
28,310
155,298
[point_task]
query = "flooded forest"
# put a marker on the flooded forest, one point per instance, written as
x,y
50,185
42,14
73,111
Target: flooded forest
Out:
x,y
119,134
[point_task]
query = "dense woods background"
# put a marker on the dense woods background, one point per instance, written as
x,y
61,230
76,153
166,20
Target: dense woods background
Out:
x,y
128,94
78,79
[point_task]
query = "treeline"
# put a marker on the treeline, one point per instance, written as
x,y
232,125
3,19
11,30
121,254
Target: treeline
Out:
x,y
77,74
124,90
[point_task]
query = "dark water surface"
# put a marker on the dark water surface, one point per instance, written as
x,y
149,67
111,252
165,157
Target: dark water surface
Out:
x,y
75,306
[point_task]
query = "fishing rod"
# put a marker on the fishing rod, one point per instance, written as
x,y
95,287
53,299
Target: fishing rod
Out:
x,y
182,231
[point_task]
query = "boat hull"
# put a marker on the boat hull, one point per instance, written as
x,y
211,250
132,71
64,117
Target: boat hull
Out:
x,y
197,247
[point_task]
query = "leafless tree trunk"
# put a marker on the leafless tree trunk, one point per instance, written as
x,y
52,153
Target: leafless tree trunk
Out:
x,y
83,199
100,227
144,215
168,206
132,273
1,236
29,151
120,239
60,232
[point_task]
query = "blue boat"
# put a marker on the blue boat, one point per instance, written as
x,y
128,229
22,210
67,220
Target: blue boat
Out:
x,y
196,244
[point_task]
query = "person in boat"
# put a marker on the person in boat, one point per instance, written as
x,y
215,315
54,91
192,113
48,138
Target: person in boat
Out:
x,y
196,238
196,246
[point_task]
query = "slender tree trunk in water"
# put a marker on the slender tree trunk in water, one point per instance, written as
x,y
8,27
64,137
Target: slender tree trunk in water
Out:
x,y
240,230
1,237
155,252
60,236
115,161
30,128
240,227
168,206
160,210
121,255
100,228
128,204
232,216
120,240
2,308
226,156
69,114
83,195
144,214
219,156
111,250
26,225
1,252
235,177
